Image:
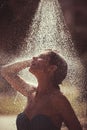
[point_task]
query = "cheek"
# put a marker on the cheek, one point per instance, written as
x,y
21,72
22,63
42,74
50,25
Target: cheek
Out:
x,y
44,68
42,65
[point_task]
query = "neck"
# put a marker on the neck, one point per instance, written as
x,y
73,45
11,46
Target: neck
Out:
x,y
45,85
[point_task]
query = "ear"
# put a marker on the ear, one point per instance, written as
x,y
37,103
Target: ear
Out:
x,y
52,68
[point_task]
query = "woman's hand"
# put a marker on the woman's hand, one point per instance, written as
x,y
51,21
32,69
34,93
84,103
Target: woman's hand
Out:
x,y
15,67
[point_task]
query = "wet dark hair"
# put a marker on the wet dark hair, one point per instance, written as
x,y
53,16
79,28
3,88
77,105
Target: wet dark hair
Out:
x,y
61,71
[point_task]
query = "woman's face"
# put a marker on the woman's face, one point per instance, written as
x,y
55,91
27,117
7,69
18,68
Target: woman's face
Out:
x,y
40,64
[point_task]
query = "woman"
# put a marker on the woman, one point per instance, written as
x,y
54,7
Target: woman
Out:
x,y
47,107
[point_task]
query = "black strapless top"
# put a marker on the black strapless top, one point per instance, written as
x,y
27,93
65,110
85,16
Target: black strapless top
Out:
x,y
39,122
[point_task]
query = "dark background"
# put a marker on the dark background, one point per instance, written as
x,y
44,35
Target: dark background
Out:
x,y
16,17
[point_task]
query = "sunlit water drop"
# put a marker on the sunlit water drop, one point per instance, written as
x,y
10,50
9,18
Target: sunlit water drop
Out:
x,y
49,31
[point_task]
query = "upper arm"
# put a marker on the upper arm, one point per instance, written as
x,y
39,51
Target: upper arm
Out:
x,y
68,115
18,83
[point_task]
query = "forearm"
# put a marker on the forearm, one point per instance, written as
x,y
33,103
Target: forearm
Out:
x,y
15,68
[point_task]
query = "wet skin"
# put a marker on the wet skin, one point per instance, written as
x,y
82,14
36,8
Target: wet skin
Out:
x,y
46,99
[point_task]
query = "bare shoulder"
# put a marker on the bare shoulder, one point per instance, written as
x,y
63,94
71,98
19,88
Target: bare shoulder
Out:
x,y
58,95
60,100
63,107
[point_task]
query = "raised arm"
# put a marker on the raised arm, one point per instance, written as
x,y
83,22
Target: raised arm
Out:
x,y
10,73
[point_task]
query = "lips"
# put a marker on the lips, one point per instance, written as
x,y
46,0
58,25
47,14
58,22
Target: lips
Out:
x,y
33,63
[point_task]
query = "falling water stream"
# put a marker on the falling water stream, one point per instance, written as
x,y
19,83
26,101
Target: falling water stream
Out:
x,y
49,31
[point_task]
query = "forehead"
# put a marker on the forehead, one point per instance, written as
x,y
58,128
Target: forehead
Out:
x,y
44,55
